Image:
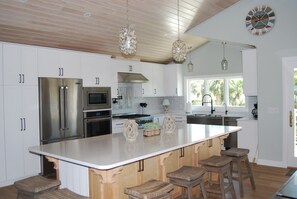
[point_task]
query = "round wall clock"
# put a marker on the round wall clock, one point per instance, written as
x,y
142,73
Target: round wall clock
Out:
x,y
260,20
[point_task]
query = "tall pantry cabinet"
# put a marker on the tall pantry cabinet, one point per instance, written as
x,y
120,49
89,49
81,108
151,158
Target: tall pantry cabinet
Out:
x,y
20,102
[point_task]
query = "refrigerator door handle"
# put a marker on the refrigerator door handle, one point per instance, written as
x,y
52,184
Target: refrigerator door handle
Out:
x,y
61,109
65,107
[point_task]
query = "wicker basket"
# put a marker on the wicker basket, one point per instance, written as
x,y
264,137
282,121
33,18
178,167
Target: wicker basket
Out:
x,y
151,132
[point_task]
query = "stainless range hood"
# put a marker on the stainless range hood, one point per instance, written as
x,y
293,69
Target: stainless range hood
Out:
x,y
131,78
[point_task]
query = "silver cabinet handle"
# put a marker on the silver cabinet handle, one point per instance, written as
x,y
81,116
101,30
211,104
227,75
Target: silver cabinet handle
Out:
x,y
61,72
24,121
21,124
20,78
65,107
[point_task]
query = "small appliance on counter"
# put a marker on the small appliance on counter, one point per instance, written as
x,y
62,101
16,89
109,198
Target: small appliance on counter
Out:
x,y
255,111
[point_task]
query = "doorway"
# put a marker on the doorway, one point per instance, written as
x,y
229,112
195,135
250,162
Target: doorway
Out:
x,y
290,111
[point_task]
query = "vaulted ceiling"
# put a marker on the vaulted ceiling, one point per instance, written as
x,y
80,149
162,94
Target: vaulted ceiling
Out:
x,y
94,25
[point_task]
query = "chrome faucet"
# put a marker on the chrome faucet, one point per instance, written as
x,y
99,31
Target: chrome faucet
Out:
x,y
211,103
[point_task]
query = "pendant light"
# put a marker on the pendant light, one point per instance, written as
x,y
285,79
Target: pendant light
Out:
x,y
224,62
179,47
190,64
127,39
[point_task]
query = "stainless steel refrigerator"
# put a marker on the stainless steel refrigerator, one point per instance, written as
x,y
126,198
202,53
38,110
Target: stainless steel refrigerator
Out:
x,y
61,116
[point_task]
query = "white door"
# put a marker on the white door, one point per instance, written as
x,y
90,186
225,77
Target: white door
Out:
x,y
290,105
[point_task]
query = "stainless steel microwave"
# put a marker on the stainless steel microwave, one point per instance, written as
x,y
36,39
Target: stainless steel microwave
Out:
x,y
95,98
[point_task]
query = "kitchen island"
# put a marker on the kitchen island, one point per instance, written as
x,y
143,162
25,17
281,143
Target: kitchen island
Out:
x,y
102,166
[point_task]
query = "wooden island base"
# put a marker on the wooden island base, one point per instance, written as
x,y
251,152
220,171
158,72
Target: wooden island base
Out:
x,y
111,183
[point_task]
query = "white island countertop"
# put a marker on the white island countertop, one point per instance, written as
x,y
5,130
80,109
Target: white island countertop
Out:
x,y
110,151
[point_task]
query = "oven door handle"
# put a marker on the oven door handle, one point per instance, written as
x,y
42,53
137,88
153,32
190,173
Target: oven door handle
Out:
x,y
97,119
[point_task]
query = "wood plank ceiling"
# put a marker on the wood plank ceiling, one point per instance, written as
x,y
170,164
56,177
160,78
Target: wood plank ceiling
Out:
x,y
94,25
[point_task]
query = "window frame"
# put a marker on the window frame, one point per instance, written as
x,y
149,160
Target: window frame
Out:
x,y
218,108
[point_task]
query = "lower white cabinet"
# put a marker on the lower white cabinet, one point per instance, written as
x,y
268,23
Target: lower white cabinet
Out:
x,y
21,131
2,143
248,137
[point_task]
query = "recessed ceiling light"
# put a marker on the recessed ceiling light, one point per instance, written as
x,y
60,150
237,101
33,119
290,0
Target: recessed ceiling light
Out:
x,y
87,14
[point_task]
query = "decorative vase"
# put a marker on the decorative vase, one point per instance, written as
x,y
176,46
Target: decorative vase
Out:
x,y
130,130
169,124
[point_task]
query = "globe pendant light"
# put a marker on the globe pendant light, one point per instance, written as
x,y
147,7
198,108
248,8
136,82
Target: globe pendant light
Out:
x,y
224,62
179,47
127,39
190,64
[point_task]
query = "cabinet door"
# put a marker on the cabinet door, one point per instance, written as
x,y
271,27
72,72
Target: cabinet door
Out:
x,y
158,80
1,63
2,141
48,63
13,132
31,133
96,70
29,68
249,69
147,71
70,62
173,80
59,63
11,64
248,137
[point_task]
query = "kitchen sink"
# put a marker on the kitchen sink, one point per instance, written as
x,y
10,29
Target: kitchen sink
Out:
x,y
206,115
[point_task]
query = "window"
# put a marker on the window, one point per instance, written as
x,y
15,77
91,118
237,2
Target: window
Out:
x,y
223,90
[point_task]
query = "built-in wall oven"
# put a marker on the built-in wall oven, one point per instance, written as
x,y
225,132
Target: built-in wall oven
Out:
x,y
96,98
97,122
97,111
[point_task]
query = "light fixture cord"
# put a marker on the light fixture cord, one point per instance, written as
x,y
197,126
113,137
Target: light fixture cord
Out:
x,y
224,50
178,18
127,13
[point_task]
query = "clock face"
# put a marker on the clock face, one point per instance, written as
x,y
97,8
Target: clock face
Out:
x,y
260,20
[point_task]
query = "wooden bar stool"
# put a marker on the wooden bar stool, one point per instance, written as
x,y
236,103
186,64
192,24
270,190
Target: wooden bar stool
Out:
x,y
221,166
34,186
61,194
239,155
188,177
152,189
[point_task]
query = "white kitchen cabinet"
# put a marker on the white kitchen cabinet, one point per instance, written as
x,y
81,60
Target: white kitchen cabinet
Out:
x,y
249,69
2,142
155,74
147,87
59,63
96,70
248,137
21,131
19,64
1,64
173,80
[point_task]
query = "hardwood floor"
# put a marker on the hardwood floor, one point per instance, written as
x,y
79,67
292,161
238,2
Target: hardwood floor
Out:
x,y
268,181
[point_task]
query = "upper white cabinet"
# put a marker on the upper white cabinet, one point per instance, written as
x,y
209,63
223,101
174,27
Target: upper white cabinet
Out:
x,y
19,64
147,87
155,74
173,80
249,69
1,63
59,63
96,70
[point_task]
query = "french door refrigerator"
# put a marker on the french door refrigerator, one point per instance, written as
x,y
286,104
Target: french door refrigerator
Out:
x,y
61,116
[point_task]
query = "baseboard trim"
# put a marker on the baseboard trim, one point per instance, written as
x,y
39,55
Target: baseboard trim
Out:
x,y
271,163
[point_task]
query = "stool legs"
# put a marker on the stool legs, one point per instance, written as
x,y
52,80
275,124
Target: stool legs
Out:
x,y
248,166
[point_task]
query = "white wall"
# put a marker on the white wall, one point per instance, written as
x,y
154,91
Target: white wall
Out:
x,y
207,60
281,41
